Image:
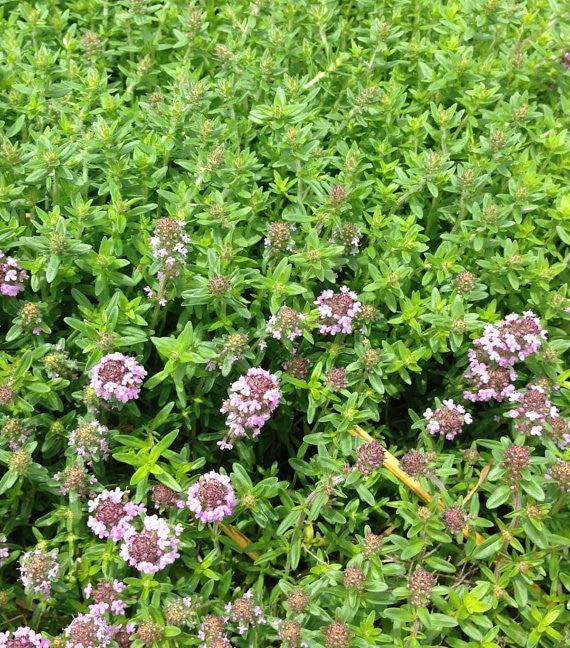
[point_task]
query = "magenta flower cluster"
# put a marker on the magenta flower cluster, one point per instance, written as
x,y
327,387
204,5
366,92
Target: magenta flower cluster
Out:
x,y
493,355
253,398
152,548
117,377
12,276
89,441
89,631
337,310
4,551
23,637
111,515
287,323
211,498
106,597
245,613
279,238
38,569
447,420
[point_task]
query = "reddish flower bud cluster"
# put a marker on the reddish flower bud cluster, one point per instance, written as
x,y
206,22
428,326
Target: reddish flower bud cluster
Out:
x,y
336,379
420,585
279,238
354,579
515,459
337,635
370,456
455,518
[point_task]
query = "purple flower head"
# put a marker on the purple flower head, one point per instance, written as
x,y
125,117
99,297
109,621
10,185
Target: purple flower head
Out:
x,y
336,379
213,629
370,456
122,634
232,349
530,409
512,339
169,245
166,498
298,601
290,634
75,479
279,238
15,432
297,366
557,429
371,545
486,379
353,578
420,584
560,475
252,400
38,569
23,637
90,441
347,235
337,310
464,282
337,635
286,324
212,497
455,518
152,548
30,318
111,515
447,420
149,632
117,377
88,631
245,613
415,463
106,597
12,276
515,459
182,612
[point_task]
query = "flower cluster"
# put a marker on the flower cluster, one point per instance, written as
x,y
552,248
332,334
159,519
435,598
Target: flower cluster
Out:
x,y
289,633
420,584
515,459
181,612
298,601
75,478
286,324
371,545
122,634
336,379
89,440
58,364
30,318
169,245
370,456
337,310
279,238
38,569
117,377
152,548
354,579
297,366
252,400
4,551
166,498
111,514
245,613
232,350
447,420
530,409
347,235
337,635
15,432
149,633
464,282
23,637
106,597
212,497
415,463
455,518
560,475
486,380
12,276
88,631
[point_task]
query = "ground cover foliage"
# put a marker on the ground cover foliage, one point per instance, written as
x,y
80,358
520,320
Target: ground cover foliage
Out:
x,y
284,317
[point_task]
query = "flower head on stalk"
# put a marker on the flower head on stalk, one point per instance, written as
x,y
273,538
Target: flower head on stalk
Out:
x,y
12,276
117,378
559,474
16,432
23,637
286,324
337,310
211,498
420,584
279,238
89,440
38,569
152,548
75,479
252,400
245,613
447,420
88,631
106,597
111,515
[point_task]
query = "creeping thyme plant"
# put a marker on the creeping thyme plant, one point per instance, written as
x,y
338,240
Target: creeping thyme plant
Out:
x,y
284,313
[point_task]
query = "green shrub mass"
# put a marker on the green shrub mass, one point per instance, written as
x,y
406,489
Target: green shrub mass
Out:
x,y
297,228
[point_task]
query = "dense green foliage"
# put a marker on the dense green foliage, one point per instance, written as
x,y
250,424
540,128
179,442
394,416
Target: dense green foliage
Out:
x,y
416,152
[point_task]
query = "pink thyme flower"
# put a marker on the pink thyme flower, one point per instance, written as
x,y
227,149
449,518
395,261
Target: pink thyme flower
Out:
x,y
560,475
30,318
212,497
354,578
88,631
336,379
371,545
90,441
370,456
169,245
512,339
111,515
37,571
464,282
337,635
12,276
245,613
117,377
447,420
279,238
337,310
16,432
231,350
455,518
297,366
420,584
347,235
290,634
252,400
530,409
122,634
212,630
154,547
23,637
557,429
4,551
286,324
415,463
182,611
106,597
75,478
486,379
166,498
515,459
